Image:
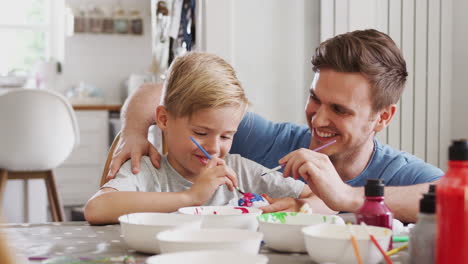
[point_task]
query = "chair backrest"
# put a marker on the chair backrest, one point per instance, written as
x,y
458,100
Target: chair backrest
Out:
x,y
38,130
109,159
111,152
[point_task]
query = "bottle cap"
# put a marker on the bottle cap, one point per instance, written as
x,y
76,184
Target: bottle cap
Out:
x,y
428,203
374,187
459,150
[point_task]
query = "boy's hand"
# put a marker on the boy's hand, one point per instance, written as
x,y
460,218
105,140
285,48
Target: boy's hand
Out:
x,y
132,147
215,174
286,204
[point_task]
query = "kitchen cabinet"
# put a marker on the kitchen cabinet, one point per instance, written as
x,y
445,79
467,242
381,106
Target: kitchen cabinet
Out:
x,y
78,177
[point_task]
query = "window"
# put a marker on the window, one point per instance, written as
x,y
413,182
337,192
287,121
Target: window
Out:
x,y
28,33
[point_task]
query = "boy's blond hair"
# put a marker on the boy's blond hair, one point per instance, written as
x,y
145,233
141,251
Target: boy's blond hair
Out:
x,y
198,80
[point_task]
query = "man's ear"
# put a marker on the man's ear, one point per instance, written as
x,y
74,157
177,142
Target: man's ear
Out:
x,y
384,117
162,117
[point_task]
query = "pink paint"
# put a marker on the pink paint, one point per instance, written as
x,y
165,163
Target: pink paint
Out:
x,y
214,212
244,210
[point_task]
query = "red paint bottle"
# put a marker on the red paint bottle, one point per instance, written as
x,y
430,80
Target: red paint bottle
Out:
x,y
374,211
452,214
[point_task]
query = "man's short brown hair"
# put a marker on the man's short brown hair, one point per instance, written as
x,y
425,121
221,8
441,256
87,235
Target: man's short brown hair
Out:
x,y
371,53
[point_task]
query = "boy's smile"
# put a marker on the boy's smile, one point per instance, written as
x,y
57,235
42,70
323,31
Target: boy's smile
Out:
x,y
212,128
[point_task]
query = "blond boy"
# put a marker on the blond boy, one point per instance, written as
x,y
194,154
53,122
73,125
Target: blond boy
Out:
x,y
202,99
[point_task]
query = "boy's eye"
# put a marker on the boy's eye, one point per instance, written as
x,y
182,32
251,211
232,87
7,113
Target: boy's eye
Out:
x,y
225,137
199,133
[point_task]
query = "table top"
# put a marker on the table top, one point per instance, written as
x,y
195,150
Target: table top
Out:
x,y
36,242
79,239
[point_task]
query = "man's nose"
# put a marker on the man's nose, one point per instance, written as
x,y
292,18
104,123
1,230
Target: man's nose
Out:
x,y
320,118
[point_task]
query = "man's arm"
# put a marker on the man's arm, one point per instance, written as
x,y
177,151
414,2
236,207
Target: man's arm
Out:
x,y
138,114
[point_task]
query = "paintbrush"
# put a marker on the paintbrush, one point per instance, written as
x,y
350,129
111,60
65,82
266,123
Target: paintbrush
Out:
x,y
354,244
376,243
209,157
282,165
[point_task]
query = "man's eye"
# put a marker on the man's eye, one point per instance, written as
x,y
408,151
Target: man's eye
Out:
x,y
315,99
339,110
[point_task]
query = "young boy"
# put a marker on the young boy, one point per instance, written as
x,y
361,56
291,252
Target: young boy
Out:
x,y
202,99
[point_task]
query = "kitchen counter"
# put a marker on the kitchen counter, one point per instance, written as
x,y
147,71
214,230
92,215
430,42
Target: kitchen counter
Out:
x,y
107,107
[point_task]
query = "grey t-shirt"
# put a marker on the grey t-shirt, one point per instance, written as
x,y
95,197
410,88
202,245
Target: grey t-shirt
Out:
x,y
166,179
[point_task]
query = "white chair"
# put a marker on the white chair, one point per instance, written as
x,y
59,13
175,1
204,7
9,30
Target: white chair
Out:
x,y
38,131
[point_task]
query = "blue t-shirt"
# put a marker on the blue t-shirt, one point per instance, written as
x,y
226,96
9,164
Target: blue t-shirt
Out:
x,y
266,142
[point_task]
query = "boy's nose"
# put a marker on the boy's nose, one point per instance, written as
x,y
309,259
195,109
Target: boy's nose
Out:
x,y
212,146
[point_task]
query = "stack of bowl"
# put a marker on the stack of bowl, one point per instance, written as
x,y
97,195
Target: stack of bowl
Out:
x,y
283,230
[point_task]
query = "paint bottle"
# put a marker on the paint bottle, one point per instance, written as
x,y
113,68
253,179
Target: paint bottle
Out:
x,y
422,235
374,211
452,214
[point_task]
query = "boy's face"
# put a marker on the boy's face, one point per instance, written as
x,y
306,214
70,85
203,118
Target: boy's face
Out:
x,y
212,128
340,108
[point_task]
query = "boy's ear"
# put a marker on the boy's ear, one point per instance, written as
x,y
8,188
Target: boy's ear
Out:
x,y
161,117
384,117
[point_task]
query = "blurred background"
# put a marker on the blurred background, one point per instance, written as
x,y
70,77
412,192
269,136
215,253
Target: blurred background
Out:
x,y
96,53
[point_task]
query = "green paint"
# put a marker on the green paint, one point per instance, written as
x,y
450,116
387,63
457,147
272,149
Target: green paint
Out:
x,y
276,217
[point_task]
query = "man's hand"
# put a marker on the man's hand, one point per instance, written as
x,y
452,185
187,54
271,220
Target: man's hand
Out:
x,y
286,204
132,147
215,174
323,179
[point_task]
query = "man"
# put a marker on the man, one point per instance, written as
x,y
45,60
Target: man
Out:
x,y
359,78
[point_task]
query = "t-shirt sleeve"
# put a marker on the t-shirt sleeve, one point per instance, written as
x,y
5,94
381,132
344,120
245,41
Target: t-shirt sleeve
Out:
x,y
125,180
273,184
416,172
266,142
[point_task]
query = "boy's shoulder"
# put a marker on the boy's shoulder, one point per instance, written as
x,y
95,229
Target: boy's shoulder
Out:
x,y
146,167
242,165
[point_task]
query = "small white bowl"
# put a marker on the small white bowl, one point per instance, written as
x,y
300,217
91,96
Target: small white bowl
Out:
x,y
209,239
283,230
332,243
208,257
225,216
139,229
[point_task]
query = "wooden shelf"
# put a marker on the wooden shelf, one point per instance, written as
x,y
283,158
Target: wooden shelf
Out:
x,y
98,107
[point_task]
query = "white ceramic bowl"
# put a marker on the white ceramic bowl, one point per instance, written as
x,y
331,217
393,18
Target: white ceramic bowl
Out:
x,y
225,216
332,243
208,257
139,229
283,231
209,239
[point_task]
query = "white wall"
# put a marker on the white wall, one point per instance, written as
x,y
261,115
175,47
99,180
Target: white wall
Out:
x,y
106,60
460,73
270,44
422,29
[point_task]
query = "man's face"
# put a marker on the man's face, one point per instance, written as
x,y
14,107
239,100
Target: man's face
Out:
x,y
339,108
212,128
